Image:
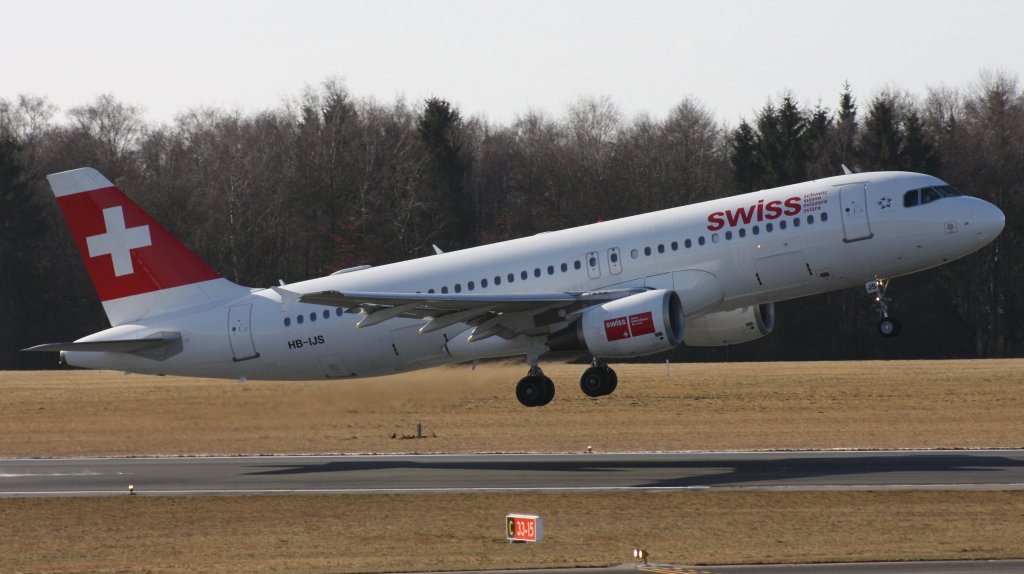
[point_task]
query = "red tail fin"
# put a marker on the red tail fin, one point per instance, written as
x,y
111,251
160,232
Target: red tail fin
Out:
x,y
126,252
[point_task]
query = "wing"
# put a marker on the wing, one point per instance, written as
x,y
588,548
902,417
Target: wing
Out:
x,y
503,315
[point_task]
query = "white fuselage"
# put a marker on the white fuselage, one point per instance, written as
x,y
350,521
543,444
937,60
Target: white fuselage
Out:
x,y
845,231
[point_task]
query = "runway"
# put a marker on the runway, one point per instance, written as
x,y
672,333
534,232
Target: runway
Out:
x,y
863,470
950,567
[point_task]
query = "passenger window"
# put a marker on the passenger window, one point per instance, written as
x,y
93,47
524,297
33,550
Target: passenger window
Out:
x,y
634,254
287,321
675,246
536,271
688,244
810,219
824,216
470,285
523,275
511,277
299,319
728,235
497,280
577,265
714,238
796,222
661,248
647,251
756,230
700,240
444,289
551,269
743,232
430,290
312,316
614,257
458,288
565,267
593,262
339,311
327,314
782,224
768,227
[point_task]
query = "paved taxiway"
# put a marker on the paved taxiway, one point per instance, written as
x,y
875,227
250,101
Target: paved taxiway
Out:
x,y
987,469
952,567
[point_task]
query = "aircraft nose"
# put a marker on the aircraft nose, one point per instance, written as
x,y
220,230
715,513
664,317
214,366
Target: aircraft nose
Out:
x,y
988,221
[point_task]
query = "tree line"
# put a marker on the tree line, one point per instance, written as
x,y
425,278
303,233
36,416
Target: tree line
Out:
x,y
329,180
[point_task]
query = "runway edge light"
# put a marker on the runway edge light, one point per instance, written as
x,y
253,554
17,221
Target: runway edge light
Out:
x,y
641,554
524,528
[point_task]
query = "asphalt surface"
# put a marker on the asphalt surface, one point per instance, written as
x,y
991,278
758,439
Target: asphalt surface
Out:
x,y
952,567
957,470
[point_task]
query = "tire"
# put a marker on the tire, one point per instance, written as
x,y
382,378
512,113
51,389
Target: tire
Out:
x,y
531,391
598,381
889,327
549,391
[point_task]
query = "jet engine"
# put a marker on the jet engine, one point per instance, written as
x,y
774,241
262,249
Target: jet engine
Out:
x,y
641,324
730,327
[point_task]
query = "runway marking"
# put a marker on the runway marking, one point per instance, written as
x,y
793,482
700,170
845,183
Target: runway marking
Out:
x,y
673,570
140,489
24,474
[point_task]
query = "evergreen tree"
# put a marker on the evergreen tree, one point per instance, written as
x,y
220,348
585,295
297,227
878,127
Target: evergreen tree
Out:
x,y
745,164
20,229
881,139
439,128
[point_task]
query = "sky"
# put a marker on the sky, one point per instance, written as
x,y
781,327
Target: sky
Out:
x,y
498,59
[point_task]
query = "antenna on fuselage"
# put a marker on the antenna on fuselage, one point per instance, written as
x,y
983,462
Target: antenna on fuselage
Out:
x,y
846,170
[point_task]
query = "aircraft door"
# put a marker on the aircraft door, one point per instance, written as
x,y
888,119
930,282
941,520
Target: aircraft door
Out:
x,y
853,200
593,265
240,333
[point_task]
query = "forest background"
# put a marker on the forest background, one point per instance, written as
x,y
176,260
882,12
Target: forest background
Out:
x,y
330,180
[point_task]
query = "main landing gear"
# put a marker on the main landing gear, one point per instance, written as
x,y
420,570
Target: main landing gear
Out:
x,y
537,390
598,380
887,326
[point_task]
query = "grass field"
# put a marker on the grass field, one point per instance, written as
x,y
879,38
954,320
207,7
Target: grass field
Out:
x,y
344,533
947,404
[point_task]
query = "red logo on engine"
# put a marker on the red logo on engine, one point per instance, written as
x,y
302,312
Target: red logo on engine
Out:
x,y
642,324
616,329
625,327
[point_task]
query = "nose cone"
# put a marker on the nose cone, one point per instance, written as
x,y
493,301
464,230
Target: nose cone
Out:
x,y
988,221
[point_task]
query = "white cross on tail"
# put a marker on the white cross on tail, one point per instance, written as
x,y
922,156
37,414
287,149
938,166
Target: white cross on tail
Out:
x,y
118,241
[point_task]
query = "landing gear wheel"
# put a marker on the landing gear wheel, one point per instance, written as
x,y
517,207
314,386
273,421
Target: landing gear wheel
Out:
x,y
889,327
535,390
598,381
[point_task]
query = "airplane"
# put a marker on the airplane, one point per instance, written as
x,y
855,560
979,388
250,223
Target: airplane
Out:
x,y
706,274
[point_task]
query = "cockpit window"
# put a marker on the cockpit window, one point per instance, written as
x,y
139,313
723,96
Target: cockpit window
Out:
x,y
928,195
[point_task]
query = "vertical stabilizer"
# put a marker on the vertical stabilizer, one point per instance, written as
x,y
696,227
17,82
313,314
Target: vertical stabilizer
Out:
x,y
137,267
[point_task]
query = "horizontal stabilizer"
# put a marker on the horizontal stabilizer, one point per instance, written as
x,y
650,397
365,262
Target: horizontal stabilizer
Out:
x,y
167,345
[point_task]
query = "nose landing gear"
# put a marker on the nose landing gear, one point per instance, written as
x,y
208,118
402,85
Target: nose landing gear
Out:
x,y
887,326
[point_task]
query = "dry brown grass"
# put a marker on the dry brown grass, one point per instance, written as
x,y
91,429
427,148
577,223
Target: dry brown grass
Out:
x,y
449,532
699,406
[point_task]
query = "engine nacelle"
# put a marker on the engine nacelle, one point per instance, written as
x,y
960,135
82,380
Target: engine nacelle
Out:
x,y
730,327
641,324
